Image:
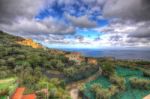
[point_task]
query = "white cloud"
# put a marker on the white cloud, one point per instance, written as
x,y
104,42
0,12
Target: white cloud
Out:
x,y
32,26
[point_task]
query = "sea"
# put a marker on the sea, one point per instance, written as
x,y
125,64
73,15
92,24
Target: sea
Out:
x,y
124,54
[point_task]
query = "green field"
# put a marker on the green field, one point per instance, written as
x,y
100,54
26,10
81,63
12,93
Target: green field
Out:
x,y
7,84
129,93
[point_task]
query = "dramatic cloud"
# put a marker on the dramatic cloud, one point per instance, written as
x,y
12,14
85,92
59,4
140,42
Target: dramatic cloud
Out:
x,y
143,31
126,33
107,22
32,26
17,16
129,9
82,21
11,10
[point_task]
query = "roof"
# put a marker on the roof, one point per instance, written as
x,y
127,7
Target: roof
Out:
x,y
30,96
18,93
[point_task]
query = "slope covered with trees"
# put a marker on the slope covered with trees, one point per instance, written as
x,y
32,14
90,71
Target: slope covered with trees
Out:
x,y
34,66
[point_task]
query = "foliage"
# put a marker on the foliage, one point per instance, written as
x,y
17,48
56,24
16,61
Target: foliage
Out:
x,y
146,73
107,68
118,81
102,93
140,83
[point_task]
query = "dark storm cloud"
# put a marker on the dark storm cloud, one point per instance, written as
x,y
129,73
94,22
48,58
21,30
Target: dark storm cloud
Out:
x,y
18,16
10,10
142,31
138,10
138,41
32,26
128,20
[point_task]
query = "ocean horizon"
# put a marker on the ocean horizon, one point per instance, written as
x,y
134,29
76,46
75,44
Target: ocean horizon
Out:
x,y
125,54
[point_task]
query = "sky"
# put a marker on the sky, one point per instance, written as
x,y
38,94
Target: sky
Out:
x,y
79,23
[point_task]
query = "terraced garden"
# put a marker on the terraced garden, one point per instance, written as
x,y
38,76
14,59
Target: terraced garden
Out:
x,y
100,80
131,93
128,93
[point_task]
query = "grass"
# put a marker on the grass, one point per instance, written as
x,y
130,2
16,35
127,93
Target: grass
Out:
x,y
8,83
5,83
3,97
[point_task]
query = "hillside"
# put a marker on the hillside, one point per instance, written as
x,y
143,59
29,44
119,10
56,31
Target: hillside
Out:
x,y
38,68
27,63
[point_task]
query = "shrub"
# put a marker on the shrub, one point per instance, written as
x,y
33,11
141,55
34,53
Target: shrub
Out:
x,y
20,57
2,62
4,92
146,73
119,81
107,68
102,93
140,83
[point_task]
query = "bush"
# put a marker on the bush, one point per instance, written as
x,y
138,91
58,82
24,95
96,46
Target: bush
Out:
x,y
107,69
11,61
102,93
119,81
20,57
146,73
140,83
4,92
2,62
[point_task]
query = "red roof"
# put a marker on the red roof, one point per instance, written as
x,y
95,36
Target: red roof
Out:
x,y
30,96
18,93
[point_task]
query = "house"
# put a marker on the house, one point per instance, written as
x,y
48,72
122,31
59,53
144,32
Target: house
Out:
x,y
18,94
75,56
92,61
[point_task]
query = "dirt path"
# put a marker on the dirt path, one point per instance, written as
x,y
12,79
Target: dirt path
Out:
x,y
74,93
75,86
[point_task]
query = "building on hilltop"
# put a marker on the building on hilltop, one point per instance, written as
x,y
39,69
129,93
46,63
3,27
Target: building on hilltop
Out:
x,y
77,57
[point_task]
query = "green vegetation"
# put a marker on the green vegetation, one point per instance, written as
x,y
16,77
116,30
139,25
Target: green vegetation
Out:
x,y
102,93
44,68
80,72
7,86
127,82
30,65
140,83
118,81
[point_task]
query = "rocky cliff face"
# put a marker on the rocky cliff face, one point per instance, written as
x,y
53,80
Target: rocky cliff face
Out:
x,y
29,42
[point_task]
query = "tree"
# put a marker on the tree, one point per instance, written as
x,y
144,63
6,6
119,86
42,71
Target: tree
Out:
x,y
107,68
